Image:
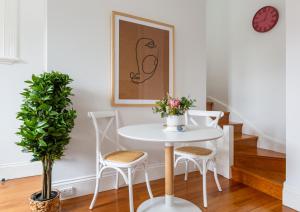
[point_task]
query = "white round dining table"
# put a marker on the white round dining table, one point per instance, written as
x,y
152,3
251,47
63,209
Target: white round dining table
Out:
x,y
156,133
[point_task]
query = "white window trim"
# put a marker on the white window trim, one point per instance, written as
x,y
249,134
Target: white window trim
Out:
x,y
9,14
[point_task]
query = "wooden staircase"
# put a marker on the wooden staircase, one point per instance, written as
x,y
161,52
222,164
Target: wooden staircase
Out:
x,y
258,168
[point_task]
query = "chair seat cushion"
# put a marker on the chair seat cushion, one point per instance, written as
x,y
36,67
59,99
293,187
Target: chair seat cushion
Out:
x,y
194,150
124,156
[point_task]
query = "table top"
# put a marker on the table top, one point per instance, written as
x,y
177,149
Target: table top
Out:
x,y
156,133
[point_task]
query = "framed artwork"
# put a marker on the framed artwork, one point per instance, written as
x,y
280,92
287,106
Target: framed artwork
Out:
x,y
142,60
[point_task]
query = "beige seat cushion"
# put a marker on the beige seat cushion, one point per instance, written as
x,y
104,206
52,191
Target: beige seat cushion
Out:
x,y
124,156
194,150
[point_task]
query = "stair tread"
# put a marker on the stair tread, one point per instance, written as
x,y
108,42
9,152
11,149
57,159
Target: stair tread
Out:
x,y
232,123
271,176
225,114
242,136
260,153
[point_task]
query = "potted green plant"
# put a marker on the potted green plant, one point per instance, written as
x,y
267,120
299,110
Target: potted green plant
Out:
x,y
47,119
173,109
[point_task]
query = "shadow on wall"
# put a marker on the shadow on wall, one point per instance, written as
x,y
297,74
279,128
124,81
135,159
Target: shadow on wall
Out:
x,y
80,153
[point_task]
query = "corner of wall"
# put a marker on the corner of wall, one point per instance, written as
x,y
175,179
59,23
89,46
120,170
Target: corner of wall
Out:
x,y
291,197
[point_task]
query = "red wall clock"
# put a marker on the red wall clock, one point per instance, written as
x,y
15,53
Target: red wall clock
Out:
x,y
265,19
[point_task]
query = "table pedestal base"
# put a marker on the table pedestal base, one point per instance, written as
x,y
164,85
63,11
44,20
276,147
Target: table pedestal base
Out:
x,y
158,204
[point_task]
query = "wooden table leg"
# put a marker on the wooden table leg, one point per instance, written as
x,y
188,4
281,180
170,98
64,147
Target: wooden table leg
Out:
x,y
168,203
169,174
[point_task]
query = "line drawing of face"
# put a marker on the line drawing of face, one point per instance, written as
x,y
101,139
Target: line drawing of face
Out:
x,y
146,59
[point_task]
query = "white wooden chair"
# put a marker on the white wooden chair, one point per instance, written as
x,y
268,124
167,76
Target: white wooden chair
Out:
x,y
119,160
199,155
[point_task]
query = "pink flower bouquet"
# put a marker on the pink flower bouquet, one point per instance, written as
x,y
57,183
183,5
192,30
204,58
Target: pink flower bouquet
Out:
x,y
170,106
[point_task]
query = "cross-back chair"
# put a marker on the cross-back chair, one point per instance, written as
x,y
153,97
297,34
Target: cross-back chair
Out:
x,y
197,154
119,160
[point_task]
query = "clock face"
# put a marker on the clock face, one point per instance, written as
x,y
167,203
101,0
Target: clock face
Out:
x,y
265,19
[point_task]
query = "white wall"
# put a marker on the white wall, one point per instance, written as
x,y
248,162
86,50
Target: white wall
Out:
x,y
32,52
217,39
246,69
291,194
79,44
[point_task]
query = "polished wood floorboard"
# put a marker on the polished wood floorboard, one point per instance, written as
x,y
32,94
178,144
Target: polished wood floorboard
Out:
x,y
235,196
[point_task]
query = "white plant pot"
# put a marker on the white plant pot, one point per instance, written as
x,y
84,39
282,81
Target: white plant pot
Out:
x,y
175,123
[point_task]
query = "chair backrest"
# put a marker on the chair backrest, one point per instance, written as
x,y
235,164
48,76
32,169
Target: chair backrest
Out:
x,y
102,133
212,117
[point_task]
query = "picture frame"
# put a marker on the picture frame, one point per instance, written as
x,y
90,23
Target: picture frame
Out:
x,y
142,60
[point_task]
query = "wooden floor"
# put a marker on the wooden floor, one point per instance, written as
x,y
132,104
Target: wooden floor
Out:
x,y
235,196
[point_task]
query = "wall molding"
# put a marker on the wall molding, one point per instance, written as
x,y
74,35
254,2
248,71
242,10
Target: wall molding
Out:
x,y
9,27
291,197
265,141
9,61
86,184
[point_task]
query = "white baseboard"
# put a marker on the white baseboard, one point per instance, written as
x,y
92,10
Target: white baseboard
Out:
x,y
291,197
20,169
265,141
85,185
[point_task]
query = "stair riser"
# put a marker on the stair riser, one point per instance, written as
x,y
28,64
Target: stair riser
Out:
x,y
245,143
277,165
272,189
238,128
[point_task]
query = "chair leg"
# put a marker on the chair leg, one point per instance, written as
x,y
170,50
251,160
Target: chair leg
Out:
x,y
186,170
96,192
130,190
133,174
216,175
197,165
148,182
204,182
176,162
117,180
